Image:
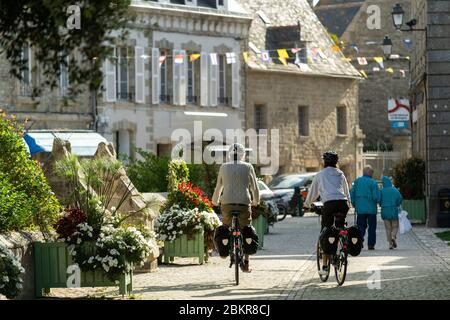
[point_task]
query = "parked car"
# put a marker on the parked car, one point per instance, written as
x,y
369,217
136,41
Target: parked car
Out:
x,y
268,197
284,186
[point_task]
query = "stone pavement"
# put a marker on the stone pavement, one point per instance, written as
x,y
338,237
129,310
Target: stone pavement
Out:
x,y
286,269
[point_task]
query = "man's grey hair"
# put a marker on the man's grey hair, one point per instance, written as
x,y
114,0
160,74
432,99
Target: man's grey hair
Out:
x,y
368,170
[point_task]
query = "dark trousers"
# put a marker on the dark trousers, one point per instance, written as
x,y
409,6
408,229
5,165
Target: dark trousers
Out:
x,y
334,212
371,220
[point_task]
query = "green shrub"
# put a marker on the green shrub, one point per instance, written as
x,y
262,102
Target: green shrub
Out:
x,y
25,177
148,174
178,173
409,177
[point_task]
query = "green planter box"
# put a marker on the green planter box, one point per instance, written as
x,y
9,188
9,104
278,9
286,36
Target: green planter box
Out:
x,y
185,248
51,263
416,210
260,225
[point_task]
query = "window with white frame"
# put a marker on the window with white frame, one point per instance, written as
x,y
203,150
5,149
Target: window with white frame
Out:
x,y
190,86
122,74
223,97
164,93
25,82
207,3
64,76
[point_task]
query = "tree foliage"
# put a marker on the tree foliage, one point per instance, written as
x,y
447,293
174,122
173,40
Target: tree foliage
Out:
x,y
43,25
409,177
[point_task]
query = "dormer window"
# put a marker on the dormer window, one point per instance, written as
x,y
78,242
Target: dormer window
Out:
x,y
208,3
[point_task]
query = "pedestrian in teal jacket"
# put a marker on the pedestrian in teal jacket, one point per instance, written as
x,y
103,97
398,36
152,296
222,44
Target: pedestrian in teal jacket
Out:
x,y
364,197
390,201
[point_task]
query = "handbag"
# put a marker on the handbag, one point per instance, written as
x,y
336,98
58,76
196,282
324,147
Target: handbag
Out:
x,y
403,222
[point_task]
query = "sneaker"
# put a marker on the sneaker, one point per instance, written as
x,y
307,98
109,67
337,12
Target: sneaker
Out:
x,y
391,247
324,271
371,247
394,243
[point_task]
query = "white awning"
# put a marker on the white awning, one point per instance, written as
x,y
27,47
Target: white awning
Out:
x,y
83,144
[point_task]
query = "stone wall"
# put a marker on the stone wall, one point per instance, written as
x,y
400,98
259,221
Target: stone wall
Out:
x,y
21,244
282,93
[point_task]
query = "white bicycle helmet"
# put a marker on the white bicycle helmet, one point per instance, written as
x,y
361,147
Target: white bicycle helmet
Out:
x,y
236,149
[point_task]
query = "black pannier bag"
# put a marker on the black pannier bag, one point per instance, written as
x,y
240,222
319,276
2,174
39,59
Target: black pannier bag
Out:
x,y
222,241
354,241
250,239
329,238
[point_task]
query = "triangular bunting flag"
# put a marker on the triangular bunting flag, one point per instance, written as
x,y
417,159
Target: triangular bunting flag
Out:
x,y
161,60
265,56
362,61
213,57
295,50
335,48
363,73
231,57
195,56
245,55
179,58
390,70
376,69
379,60
283,56
403,73
354,46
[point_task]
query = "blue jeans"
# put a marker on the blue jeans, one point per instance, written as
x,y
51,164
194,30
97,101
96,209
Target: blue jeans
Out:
x,y
368,219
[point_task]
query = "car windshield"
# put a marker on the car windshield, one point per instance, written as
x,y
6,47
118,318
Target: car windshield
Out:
x,y
288,182
262,186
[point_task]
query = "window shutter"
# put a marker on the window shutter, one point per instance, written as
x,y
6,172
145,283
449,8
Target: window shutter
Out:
x,y
235,88
204,62
156,79
110,80
139,75
176,78
213,83
183,78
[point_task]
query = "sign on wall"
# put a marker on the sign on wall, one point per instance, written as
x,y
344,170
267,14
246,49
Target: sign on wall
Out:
x,y
399,110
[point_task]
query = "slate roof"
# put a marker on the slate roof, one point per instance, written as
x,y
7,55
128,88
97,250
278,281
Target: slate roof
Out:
x,y
285,16
337,20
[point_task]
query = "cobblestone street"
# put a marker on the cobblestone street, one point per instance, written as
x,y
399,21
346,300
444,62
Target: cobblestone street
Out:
x,y
286,269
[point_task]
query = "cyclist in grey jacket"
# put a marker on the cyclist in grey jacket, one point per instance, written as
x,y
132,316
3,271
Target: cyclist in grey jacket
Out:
x,y
332,187
237,190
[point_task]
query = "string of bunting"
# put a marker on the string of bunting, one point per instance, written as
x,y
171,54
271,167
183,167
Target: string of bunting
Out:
x,y
315,55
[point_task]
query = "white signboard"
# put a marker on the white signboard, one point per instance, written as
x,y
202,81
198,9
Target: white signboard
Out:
x,y
399,109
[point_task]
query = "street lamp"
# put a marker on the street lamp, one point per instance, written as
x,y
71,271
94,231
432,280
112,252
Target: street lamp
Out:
x,y
387,46
397,16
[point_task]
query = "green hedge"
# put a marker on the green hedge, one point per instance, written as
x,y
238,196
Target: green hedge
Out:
x,y
26,199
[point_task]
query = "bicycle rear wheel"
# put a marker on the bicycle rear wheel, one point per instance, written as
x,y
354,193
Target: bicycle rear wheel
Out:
x,y
237,264
283,213
340,267
319,253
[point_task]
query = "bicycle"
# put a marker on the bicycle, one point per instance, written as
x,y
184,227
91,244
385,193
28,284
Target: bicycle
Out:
x,y
236,249
339,259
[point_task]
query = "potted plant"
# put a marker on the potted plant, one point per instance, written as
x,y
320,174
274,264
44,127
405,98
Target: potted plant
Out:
x,y
409,177
187,223
96,246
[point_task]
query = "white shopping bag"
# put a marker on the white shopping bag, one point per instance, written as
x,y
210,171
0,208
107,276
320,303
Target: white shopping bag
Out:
x,y
403,221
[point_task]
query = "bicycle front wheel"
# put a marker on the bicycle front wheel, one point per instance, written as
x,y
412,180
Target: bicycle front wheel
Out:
x,y
340,268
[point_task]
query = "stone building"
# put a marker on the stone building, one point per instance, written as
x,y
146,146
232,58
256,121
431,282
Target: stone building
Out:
x,y
355,22
430,90
313,100
52,109
146,100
